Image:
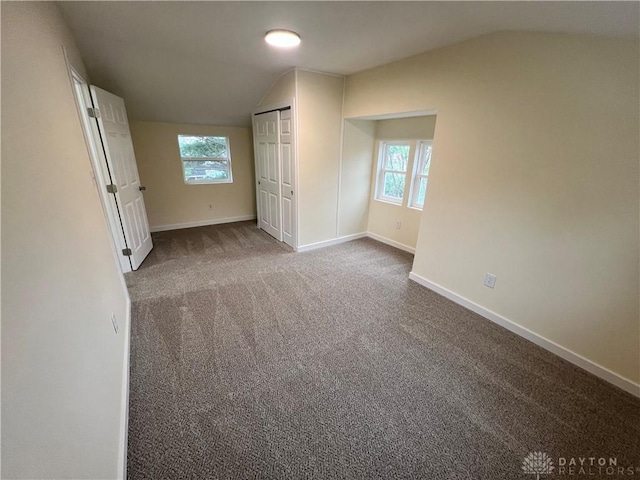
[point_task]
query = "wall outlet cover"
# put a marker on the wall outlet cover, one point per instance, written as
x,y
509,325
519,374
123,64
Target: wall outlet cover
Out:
x,y
490,280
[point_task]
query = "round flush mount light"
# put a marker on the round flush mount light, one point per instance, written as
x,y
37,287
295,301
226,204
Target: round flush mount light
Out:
x,y
282,38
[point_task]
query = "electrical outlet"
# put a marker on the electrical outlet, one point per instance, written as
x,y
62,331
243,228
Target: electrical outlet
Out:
x,y
398,224
114,322
490,280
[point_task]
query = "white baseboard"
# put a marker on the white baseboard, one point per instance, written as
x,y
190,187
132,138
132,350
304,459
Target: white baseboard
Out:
x,y
578,360
355,236
203,223
328,243
124,406
393,243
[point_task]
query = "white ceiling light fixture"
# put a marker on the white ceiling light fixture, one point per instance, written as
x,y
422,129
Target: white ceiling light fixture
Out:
x,y
282,38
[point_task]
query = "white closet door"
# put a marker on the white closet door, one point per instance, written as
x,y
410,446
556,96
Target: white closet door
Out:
x,y
266,140
287,180
116,140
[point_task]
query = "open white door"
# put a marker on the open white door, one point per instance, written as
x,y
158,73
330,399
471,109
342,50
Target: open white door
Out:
x,y
121,162
100,172
266,138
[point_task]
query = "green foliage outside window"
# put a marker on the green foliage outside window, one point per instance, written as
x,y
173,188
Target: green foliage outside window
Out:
x,y
203,147
397,158
394,185
209,170
205,159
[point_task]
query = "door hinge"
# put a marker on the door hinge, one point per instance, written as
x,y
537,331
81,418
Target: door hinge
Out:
x,y
111,188
93,112
126,252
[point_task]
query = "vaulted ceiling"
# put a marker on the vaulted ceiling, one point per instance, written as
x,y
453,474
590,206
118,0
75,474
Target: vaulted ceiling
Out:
x,y
207,62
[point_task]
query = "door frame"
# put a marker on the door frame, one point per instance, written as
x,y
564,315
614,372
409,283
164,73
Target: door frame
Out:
x,y
100,174
132,215
291,105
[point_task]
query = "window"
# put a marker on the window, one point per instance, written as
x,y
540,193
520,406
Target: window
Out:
x,y
400,162
205,159
392,172
421,175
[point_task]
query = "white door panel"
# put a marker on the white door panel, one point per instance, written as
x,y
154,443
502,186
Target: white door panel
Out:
x,y
264,203
288,175
262,161
286,165
114,129
272,166
274,214
266,139
286,217
275,171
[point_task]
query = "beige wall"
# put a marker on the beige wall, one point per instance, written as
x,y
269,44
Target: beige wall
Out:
x,y
62,363
383,216
172,203
421,128
534,178
319,145
282,90
355,176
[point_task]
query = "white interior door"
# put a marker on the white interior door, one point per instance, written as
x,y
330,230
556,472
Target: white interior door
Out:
x,y
100,172
116,139
287,178
266,140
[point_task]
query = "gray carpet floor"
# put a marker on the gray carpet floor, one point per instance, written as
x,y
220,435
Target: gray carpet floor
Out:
x,y
251,361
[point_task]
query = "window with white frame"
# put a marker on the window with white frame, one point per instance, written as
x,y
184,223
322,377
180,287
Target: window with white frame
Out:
x,y
205,159
393,161
402,163
421,173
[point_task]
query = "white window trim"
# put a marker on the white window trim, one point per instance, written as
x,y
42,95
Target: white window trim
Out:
x,y
382,151
416,176
207,159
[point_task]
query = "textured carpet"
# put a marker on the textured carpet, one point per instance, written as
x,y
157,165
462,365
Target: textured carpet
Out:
x,y
251,361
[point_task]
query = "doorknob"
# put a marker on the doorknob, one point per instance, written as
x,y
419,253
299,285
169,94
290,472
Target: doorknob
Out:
x,y
142,188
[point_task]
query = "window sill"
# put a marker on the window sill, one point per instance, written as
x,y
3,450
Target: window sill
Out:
x,y
209,183
389,202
